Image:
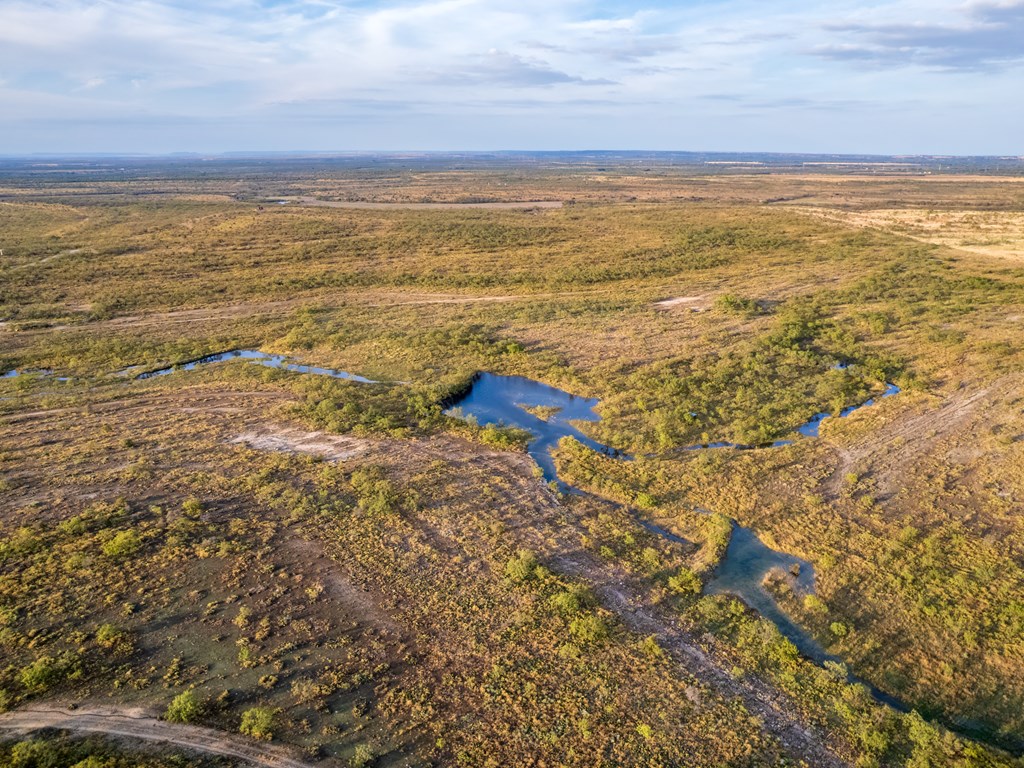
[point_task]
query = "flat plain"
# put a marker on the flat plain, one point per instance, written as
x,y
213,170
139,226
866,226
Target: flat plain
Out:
x,y
360,577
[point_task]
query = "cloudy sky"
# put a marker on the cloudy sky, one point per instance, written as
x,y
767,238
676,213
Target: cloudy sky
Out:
x,y
881,76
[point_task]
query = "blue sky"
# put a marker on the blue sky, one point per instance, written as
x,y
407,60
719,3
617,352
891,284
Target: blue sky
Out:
x,y
888,76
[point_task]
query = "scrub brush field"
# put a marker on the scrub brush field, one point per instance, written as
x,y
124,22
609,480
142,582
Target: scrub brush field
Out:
x,y
335,571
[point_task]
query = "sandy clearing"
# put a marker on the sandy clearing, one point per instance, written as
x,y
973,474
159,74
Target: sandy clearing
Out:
x,y
274,437
520,205
138,724
695,303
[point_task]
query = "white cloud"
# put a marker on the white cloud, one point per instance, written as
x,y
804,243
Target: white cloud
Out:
x,y
568,62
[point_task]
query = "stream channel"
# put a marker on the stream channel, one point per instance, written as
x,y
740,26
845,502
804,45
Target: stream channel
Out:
x,y
503,400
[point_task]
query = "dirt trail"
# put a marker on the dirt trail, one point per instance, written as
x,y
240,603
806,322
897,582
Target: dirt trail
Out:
x,y
777,713
201,400
137,724
519,204
374,299
916,434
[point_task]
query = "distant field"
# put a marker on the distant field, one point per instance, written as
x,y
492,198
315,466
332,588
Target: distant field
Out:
x,y
496,206
998,234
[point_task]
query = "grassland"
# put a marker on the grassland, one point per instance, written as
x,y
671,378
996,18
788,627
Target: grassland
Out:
x,y
998,234
387,584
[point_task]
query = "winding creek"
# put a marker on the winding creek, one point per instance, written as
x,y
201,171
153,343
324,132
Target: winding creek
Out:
x,y
505,400
492,399
281,362
260,358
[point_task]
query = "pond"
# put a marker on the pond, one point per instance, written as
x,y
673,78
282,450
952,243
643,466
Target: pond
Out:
x,y
503,400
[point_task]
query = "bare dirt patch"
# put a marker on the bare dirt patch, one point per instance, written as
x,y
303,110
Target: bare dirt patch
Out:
x,y
693,303
274,437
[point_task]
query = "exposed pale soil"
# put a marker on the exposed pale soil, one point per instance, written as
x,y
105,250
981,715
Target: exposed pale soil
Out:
x,y
694,303
274,437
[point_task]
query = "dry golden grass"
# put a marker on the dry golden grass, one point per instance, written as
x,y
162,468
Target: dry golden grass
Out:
x,y
580,297
997,234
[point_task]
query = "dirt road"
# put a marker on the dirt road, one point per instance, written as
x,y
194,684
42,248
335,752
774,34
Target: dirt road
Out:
x,y
516,204
137,724
778,714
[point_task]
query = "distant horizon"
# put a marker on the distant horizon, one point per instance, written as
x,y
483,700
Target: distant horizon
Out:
x,y
328,153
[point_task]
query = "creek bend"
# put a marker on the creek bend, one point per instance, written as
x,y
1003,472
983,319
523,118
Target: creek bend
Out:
x,y
492,399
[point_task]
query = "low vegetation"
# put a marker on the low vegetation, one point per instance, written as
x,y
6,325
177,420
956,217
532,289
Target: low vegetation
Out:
x,y
428,600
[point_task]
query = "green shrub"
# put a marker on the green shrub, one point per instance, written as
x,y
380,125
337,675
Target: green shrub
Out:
x,y
377,495
651,560
572,601
523,567
74,526
47,671
589,630
645,500
363,756
503,437
685,582
184,708
192,507
739,305
258,722
651,648
124,544
108,635
95,762
839,629
31,754
815,604
23,541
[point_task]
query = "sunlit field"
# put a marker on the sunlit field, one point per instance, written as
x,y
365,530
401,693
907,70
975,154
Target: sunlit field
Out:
x,y
356,575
